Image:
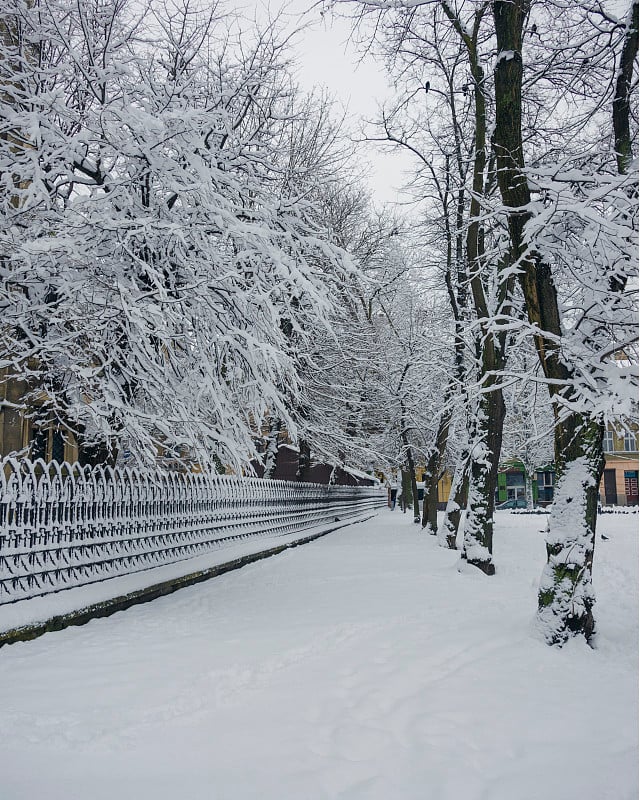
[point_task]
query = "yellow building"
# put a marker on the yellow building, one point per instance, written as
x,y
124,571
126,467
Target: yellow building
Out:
x,y
444,487
444,490
619,485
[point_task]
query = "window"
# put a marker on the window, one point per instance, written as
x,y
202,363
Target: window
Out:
x,y
545,478
515,479
630,443
607,442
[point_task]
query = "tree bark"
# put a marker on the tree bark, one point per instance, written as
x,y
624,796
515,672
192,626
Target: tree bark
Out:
x,y
409,484
457,502
433,469
528,487
566,597
486,444
624,81
271,453
621,115
406,492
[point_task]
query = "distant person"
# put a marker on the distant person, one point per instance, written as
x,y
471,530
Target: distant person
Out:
x,y
392,497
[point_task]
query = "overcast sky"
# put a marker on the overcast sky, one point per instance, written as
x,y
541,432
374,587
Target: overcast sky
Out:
x,y
327,58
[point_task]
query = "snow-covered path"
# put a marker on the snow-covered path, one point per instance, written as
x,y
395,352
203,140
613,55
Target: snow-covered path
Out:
x,y
361,666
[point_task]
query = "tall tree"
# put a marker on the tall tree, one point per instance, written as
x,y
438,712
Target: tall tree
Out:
x,y
454,159
155,243
566,595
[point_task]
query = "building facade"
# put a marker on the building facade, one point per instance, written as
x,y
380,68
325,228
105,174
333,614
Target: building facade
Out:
x,y
35,434
619,485
512,483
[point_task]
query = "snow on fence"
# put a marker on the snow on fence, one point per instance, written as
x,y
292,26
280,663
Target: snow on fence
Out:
x,y
63,525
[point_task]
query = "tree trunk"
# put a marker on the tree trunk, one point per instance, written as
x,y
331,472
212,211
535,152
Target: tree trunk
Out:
x,y
430,502
271,453
624,82
486,436
566,598
457,502
407,494
432,473
528,487
413,485
410,482
485,454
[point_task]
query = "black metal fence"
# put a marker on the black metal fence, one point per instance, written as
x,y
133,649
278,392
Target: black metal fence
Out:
x,y
63,525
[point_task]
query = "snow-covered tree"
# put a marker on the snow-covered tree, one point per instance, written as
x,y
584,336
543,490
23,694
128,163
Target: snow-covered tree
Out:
x,y
157,248
562,96
442,114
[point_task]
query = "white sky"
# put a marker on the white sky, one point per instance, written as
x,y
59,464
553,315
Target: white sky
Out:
x,y
327,58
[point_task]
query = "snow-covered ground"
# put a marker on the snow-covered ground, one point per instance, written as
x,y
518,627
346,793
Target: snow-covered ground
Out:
x,y
360,666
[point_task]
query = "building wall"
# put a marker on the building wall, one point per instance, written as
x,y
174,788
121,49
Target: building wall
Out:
x,y
287,469
621,487
18,433
511,480
623,464
13,436
444,489
620,465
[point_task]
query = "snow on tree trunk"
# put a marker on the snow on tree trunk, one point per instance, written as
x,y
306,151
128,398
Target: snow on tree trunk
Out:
x,y
412,485
624,88
566,597
528,488
486,442
477,545
457,502
414,492
271,453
